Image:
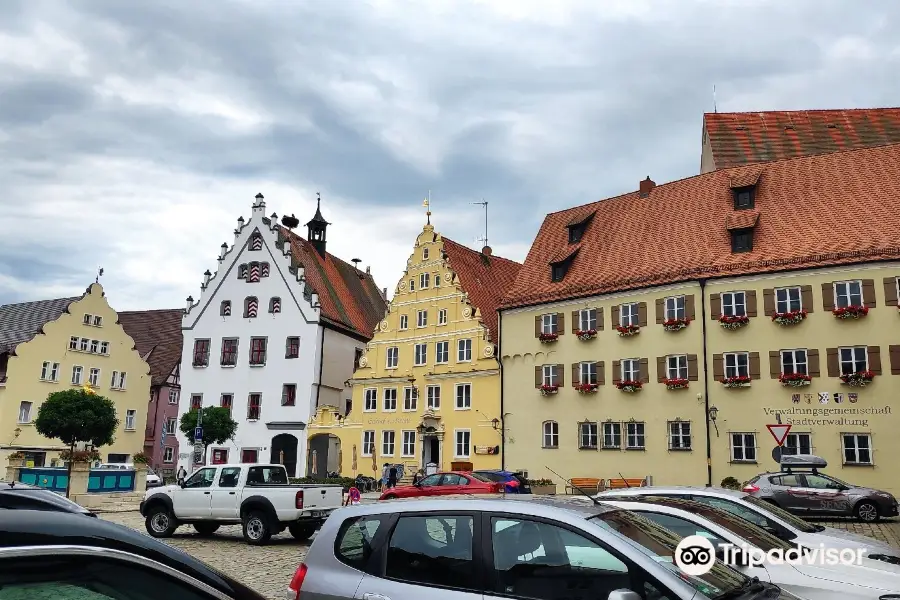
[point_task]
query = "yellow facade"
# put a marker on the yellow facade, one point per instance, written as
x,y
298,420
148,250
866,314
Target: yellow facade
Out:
x,y
828,418
49,363
442,408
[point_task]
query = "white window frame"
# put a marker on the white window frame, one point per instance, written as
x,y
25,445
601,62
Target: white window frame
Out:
x,y
421,319
388,441
104,348
442,316
87,319
587,319
98,321
734,304
171,425
73,342
549,324
630,369
437,280
26,413
635,435
466,442
54,372
587,373
389,394
676,366
629,314
745,436
408,443
94,377
45,371
404,322
675,308
370,400
424,281
424,253
412,284
433,392
844,295
550,434
95,346
174,396
856,448
731,364
786,296
84,344
680,430
468,397
795,437
549,375
169,454
392,352
464,349
855,352
445,346
588,435
612,430
79,378
367,445
799,357
420,354
130,415
410,399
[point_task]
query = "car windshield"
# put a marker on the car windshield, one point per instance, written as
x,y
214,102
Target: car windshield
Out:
x,y
481,477
660,544
150,471
793,521
490,475
756,536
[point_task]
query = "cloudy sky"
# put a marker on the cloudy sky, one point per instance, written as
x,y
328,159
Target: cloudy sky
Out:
x,y
133,134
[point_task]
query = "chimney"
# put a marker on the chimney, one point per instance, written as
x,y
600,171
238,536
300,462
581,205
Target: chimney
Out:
x,y
486,251
647,186
189,302
384,293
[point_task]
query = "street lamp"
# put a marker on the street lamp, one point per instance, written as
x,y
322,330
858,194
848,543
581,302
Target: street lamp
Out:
x,y
712,414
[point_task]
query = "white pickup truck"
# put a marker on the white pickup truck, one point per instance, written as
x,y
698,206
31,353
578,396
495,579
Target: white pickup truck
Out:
x,y
259,497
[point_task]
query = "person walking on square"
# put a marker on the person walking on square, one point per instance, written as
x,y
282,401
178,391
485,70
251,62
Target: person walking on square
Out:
x,y
181,475
392,477
384,477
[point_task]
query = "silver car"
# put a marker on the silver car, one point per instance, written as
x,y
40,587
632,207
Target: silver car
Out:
x,y
466,548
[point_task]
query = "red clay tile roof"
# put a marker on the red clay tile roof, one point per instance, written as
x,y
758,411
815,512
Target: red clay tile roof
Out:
x,y
349,298
754,137
814,211
159,333
484,278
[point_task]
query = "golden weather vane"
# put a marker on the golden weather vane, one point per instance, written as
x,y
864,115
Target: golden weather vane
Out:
x,y
427,205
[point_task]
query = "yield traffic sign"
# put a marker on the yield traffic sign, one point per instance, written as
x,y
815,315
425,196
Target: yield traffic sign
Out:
x,y
779,432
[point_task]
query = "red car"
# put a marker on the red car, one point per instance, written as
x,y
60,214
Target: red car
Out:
x,y
444,484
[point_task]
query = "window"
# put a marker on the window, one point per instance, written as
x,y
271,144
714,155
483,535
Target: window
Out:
x,y
390,399
857,449
442,353
118,379
432,551
171,425
743,447
242,272
226,401
404,322
225,308
587,373
587,319
575,232
788,300
95,346
73,343
50,371
98,321
201,353
629,315
94,377
104,348
77,373
631,369
742,240
675,308
410,398
354,544
679,435
229,352
684,527
412,285
737,364
463,396
743,198
393,357
174,396
257,351
25,412
264,269
201,479
433,393
254,407
251,307
734,304
421,318
551,434
793,361
87,319
463,350
254,273
196,401
437,281
442,314
854,360
249,455
129,420
424,253
549,376
549,323
634,436
169,454
292,347
558,270
368,443
677,367
797,443
463,441
274,305
421,352
387,443
848,293
409,443
612,435
83,344
371,400
289,394
587,436
424,281
228,478
357,357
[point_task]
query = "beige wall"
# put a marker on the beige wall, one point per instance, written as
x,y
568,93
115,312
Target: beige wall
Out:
x,y
707,163
338,354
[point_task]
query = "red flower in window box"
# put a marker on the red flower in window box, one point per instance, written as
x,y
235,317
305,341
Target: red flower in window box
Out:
x,y
629,386
850,312
676,384
789,318
547,338
549,390
736,382
733,322
626,330
858,379
675,324
794,379
586,388
586,334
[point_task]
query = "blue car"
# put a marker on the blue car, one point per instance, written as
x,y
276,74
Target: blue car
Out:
x,y
515,483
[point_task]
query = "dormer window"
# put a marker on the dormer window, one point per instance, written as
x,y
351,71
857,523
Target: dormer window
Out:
x,y
742,240
559,268
575,232
744,197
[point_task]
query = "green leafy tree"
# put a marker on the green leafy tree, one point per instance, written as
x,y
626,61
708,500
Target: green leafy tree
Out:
x,y
77,415
218,426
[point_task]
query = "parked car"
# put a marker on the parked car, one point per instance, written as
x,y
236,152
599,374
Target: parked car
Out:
x,y
259,497
465,548
766,515
801,489
57,555
514,482
443,484
153,480
19,496
867,581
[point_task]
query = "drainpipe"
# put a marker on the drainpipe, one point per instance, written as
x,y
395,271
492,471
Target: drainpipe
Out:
x,y
502,414
321,367
705,383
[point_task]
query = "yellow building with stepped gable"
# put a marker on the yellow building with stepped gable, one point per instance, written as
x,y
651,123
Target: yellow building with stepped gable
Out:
x,y
426,393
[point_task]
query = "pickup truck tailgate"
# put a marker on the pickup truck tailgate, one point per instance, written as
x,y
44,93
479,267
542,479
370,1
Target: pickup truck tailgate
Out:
x,y
328,496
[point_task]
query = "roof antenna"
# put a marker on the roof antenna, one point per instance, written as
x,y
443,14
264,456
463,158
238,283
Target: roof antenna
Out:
x,y
99,275
715,110
574,487
485,205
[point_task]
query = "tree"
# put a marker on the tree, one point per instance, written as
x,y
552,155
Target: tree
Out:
x,y
218,426
77,415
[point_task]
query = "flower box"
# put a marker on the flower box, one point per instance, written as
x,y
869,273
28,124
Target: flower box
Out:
x,y
586,334
629,386
794,379
733,322
586,388
789,318
549,390
627,330
676,324
676,384
736,382
543,489
548,338
850,312
858,379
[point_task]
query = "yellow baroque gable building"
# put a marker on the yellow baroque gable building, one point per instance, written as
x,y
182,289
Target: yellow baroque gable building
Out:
x,y
426,393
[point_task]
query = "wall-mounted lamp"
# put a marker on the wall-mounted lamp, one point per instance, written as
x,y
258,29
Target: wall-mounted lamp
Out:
x,y
712,414
495,423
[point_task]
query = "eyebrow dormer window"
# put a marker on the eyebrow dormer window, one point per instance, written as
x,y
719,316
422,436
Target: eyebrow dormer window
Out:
x,y
744,198
742,240
575,232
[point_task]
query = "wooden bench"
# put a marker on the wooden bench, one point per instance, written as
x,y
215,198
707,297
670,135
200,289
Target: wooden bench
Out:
x,y
619,484
588,484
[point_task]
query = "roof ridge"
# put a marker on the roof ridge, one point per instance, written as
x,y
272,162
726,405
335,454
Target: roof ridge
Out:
x,y
69,298
336,258
803,110
473,251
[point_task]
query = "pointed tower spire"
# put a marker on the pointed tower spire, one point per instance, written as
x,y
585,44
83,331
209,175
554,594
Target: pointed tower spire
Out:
x,y
317,227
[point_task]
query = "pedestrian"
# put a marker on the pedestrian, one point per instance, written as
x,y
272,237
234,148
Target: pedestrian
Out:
x,y
181,475
384,476
392,477
417,477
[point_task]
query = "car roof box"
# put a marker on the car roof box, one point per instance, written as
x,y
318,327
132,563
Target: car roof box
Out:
x,y
802,461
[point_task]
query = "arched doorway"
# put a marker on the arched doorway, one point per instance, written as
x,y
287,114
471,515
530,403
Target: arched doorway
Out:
x,y
324,455
284,452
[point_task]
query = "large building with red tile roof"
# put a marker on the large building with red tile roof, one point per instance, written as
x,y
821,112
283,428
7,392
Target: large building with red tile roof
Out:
x,y
277,330
426,395
788,266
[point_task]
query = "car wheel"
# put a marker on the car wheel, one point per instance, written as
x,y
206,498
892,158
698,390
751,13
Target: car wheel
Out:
x,y
302,533
256,529
390,497
206,529
866,512
160,523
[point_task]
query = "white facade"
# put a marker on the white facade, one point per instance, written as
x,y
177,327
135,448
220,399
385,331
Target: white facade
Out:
x,y
298,318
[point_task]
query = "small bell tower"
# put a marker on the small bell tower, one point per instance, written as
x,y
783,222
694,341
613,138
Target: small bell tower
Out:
x,y
317,227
